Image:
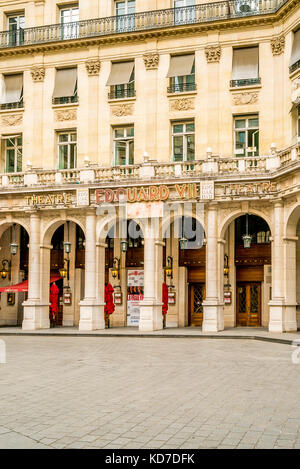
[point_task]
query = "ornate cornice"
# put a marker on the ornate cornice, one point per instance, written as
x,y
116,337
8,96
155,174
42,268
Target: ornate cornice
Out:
x,y
278,44
93,67
151,60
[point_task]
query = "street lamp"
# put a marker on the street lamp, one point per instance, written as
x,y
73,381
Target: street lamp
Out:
x,y
67,244
247,238
183,241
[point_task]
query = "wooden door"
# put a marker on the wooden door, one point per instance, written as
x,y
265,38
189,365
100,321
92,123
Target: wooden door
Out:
x,y
196,296
249,304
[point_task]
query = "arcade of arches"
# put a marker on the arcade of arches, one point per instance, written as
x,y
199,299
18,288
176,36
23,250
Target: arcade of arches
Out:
x,y
215,281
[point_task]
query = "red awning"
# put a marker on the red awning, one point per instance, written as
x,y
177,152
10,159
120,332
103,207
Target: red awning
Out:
x,y
23,286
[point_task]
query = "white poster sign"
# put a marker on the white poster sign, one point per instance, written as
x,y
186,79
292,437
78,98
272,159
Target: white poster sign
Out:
x,y
135,294
207,190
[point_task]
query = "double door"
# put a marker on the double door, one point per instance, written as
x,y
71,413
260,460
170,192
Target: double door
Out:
x,y
196,296
249,304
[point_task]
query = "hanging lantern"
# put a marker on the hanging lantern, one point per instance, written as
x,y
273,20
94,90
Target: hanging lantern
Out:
x,y
124,245
247,238
183,243
14,248
63,272
3,273
67,247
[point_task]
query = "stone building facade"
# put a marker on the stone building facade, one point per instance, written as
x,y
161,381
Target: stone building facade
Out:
x,y
161,140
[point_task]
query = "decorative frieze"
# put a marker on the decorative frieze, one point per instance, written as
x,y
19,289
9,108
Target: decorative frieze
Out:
x,y
12,119
93,67
278,44
38,73
213,54
182,104
245,98
151,61
66,115
122,110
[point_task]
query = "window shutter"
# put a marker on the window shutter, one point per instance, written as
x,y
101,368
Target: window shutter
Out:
x,y
245,63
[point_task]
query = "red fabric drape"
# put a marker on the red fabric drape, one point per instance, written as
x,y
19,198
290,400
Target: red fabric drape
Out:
x,y
54,294
165,298
109,299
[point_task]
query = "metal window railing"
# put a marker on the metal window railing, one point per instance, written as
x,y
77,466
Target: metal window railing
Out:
x,y
143,21
65,100
182,88
126,92
17,105
245,82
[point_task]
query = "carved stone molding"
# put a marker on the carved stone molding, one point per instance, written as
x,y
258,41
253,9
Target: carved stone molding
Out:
x,y
12,119
66,115
213,54
182,104
296,84
93,67
151,61
278,44
122,110
38,73
245,98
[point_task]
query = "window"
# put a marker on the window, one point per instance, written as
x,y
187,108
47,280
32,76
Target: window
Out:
x,y
246,136
295,56
16,25
183,141
245,67
125,20
65,89
69,22
121,80
13,154
124,146
182,73
244,7
12,91
184,11
67,150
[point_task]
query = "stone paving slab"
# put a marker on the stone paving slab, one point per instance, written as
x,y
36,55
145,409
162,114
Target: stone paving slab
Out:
x,y
180,393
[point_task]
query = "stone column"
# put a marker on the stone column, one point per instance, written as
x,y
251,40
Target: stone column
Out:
x,y
213,308
282,317
36,314
290,270
151,307
92,306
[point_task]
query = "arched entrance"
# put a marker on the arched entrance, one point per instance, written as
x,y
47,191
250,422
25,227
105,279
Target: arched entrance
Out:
x,y
14,241
247,272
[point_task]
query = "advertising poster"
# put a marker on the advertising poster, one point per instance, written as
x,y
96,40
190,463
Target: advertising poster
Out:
x,y
135,294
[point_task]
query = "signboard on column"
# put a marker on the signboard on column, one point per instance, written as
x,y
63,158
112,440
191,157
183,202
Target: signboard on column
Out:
x,y
135,294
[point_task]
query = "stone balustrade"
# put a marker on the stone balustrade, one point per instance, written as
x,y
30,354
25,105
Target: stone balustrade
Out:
x,y
214,166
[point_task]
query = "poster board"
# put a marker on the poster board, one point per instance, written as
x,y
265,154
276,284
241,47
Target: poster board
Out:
x,y
135,294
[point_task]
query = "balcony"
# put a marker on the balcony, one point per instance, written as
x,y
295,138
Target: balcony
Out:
x,y
183,88
65,100
138,22
126,92
9,106
245,82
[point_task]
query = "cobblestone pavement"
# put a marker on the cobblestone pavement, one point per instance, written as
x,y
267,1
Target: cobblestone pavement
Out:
x,y
59,392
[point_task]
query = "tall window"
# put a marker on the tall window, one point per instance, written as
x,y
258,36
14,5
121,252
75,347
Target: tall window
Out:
x,y
183,141
16,25
121,80
12,91
245,67
124,146
65,89
184,11
123,21
67,150
246,136
13,154
69,22
182,73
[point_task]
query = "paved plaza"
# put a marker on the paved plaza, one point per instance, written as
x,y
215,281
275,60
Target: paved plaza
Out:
x,y
122,392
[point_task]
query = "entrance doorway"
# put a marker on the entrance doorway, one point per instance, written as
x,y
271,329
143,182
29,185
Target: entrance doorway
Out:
x,y
196,296
248,304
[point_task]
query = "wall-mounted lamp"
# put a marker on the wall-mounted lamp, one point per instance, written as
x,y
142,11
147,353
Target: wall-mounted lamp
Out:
x,y
226,267
6,269
116,269
169,267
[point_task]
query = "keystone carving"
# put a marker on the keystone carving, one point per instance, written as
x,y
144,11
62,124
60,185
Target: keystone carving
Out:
x,y
183,104
93,67
13,119
66,115
122,110
38,73
278,44
213,54
245,98
151,61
